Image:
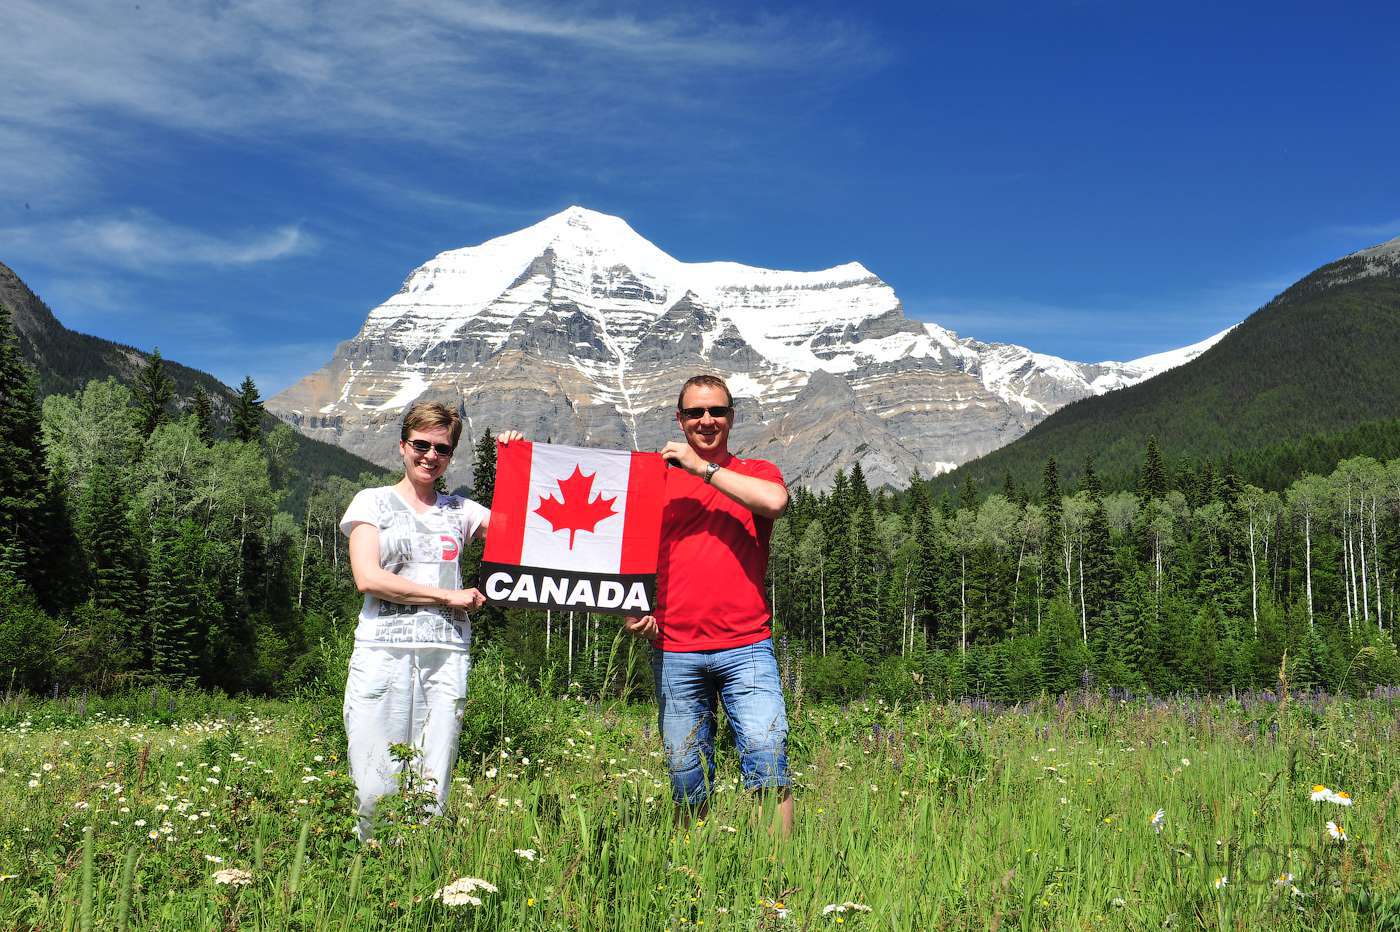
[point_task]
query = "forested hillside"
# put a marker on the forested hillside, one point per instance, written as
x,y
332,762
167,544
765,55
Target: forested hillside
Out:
x,y
65,361
1318,360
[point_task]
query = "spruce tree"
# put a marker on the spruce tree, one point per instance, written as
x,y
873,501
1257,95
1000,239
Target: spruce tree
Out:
x,y
1053,501
23,485
172,607
1154,473
1099,575
840,561
867,571
108,542
154,391
204,415
246,423
484,468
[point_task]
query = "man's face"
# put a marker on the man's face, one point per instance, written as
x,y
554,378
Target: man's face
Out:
x,y
706,433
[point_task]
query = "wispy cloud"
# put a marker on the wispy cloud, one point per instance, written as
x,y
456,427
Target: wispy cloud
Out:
x,y
442,72
1106,326
139,241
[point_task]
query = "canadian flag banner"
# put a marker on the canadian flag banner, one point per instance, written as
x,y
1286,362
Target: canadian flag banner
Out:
x,y
574,528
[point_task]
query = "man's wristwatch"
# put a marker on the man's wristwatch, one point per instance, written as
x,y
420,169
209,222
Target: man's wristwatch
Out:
x,y
710,470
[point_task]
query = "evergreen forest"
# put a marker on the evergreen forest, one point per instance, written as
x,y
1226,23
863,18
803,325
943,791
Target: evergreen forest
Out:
x,y
142,546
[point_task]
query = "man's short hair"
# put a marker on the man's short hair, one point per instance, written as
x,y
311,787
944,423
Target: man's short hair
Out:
x,y
709,381
429,415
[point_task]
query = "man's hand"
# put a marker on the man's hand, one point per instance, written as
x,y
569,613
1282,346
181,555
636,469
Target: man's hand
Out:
x,y
682,455
644,627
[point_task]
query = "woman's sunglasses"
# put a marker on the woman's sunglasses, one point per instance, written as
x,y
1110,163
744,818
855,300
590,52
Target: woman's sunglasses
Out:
x,y
423,446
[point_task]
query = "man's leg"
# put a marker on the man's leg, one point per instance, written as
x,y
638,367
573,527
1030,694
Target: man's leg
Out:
x,y
685,699
752,693
378,712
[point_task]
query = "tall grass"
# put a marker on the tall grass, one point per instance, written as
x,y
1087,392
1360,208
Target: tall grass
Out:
x,y
953,816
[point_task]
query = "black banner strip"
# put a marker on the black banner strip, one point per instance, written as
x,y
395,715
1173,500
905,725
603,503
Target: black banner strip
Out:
x,y
535,586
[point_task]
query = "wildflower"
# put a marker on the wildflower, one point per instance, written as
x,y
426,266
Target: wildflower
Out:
x,y
153,835
1117,902
847,906
1159,821
527,854
213,859
1319,793
1186,762
461,892
1341,799
233,877
1221,881
491,773
1338,833
33,784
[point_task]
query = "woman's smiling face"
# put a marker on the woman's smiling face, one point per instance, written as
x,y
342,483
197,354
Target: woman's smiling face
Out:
x,y
425,468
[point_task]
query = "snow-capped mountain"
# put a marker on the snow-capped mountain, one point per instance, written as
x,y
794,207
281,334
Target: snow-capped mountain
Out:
x,y
579,330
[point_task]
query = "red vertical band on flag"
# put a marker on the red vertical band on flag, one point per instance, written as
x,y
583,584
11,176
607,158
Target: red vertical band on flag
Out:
x,y
641,530
506,536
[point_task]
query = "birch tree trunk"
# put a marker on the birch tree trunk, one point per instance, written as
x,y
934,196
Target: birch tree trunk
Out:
x,y
1307,563
1253,579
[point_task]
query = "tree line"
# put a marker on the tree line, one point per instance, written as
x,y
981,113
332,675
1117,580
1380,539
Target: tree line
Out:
x,y
139,543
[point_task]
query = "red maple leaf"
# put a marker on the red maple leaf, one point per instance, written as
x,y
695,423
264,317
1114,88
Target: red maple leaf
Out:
x,y
575,512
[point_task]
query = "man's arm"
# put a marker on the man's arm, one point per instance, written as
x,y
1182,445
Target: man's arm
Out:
x,y
764,498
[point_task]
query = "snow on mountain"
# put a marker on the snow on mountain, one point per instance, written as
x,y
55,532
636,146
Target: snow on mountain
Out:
x,y
579,329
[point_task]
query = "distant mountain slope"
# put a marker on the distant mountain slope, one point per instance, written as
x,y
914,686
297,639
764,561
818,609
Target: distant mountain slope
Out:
x,y
579,329
67,360
1321,358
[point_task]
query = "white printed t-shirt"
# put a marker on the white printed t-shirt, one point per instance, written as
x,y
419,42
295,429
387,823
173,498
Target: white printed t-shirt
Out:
x,y
424,548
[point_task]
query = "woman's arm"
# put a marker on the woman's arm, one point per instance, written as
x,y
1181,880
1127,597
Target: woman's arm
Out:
x,y
373,579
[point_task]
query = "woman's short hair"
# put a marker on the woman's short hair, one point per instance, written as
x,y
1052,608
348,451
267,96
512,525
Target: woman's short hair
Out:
x,y
430,415
709,381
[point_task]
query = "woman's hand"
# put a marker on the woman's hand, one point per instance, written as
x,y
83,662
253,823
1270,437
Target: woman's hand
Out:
x,y
467,600
506,436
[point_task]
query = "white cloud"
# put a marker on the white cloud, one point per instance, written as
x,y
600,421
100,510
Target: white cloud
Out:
x,y
139,241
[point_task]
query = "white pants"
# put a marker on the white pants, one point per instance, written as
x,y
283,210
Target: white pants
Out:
x,y
407,695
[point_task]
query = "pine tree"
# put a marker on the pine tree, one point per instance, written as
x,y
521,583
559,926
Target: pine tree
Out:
x,y
154,391
204,414
246,422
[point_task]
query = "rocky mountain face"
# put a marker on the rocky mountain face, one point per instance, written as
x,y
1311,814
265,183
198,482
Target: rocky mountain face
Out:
x,y
580,331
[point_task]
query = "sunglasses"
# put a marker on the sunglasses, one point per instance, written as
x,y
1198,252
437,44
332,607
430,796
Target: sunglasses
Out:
x,y
695,414
423,446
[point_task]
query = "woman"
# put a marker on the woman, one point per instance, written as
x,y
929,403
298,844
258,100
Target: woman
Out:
x,y
408,673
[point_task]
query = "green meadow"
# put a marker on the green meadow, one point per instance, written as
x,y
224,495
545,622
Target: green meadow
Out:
x,y
159,810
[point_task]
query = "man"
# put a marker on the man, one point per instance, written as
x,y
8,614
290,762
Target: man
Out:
x,y
711,626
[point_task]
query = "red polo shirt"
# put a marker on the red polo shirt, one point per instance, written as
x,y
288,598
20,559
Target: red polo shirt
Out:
x,y
714,555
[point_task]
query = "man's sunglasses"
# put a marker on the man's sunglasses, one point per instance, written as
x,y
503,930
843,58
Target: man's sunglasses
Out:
x,y
423,446
695,414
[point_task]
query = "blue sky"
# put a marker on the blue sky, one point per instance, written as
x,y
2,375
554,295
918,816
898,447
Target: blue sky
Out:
x,y
239,183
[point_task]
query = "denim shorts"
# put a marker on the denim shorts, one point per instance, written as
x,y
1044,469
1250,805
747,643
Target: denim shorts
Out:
x,y
689,684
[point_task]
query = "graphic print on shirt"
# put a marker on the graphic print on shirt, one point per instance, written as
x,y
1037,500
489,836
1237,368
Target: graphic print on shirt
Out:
x,y
423,548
